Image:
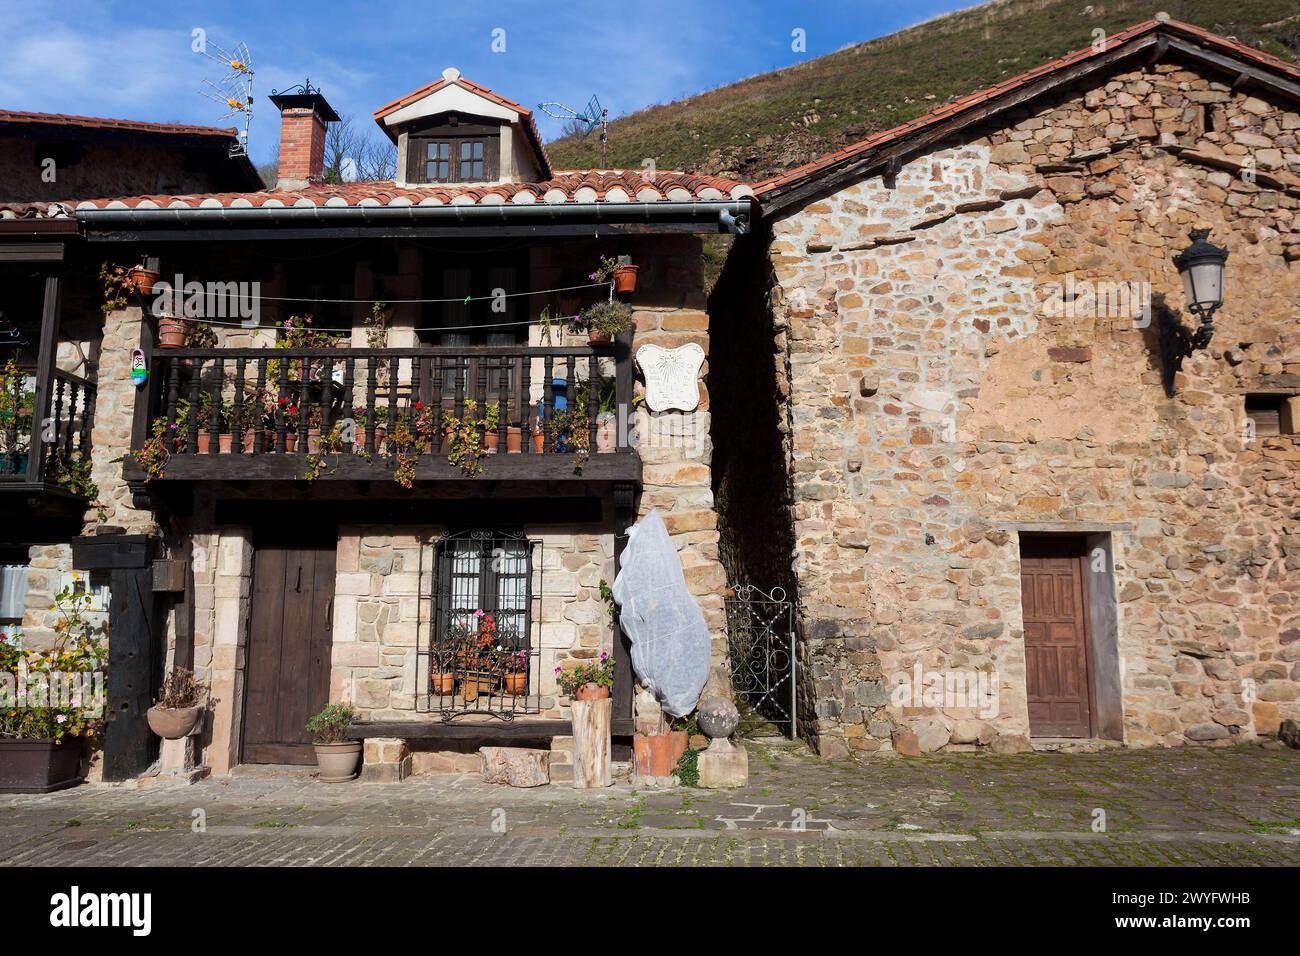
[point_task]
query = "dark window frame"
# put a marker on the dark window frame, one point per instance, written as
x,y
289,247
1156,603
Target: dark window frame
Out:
x,y
449,131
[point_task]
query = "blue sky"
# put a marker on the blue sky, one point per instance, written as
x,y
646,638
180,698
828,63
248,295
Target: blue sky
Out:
x,y
134,60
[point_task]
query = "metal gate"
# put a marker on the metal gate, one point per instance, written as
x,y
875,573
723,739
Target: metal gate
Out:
x,y
760,654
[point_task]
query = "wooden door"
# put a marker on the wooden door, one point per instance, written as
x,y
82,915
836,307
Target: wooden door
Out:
x,y
1056,637
290,633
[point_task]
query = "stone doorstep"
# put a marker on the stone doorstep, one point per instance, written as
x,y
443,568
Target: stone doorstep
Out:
x,y
165,779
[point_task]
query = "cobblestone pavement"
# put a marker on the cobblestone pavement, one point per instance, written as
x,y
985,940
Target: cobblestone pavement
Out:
x,y
1162,807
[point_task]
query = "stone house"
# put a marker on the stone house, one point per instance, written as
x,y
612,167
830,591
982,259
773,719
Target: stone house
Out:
x,y
305,526
1019,503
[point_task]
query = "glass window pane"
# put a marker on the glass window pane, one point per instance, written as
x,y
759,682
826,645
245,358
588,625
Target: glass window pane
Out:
x,y
13,591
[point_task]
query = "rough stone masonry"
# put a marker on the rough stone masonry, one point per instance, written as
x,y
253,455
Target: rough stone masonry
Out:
x,y
949,385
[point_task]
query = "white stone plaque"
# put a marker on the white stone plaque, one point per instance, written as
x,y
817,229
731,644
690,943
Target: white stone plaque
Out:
x,y
671,376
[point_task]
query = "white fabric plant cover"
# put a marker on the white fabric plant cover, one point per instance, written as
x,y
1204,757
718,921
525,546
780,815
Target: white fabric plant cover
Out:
x,y
670,641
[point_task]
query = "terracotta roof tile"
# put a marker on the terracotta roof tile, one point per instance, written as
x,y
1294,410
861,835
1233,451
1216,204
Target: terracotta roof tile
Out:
x,y
98,122
947,110
605,185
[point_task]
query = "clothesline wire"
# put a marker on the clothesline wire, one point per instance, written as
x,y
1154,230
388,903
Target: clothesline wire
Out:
x,y
430,328
462,299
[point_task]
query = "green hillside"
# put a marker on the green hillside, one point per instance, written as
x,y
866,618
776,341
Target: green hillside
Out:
x,y
768,123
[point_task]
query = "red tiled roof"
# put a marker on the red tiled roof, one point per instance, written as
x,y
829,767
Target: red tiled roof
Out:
x,y
98,122
525,114
606,185
949,110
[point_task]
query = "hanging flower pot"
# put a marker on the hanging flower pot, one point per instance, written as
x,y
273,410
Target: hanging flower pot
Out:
x,y
596,338
625,279
171,333
144,279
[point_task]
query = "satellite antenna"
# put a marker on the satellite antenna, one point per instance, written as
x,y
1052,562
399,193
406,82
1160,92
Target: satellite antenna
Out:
x,y
591,117
234,89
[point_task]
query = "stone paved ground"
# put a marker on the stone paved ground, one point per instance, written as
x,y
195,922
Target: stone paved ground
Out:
x,y
1185,806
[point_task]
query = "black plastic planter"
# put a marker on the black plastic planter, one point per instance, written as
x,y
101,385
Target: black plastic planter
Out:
x,y
40,766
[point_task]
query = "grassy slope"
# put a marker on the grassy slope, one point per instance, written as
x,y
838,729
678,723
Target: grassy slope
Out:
x,y
768,123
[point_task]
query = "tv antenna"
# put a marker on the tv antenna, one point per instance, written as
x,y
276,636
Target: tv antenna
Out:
x,y
591,117
233,89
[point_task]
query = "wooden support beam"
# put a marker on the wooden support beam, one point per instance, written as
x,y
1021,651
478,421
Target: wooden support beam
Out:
x,y
49,345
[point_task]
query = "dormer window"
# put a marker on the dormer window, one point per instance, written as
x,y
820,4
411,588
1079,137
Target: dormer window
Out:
x,y
452,152
455,131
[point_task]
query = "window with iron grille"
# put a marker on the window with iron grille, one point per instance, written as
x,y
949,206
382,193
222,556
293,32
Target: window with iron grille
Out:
x,y
482,658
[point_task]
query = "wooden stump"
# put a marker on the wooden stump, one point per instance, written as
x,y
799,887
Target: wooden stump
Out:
x,y
591,747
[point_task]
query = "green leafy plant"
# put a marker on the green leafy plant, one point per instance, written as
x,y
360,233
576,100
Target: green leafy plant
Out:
x,y
607,595
606,317
376,324
331,724
200,335
600,672
571,428
465,448
331,446
117,286
180,689
79,649
154,454
688,768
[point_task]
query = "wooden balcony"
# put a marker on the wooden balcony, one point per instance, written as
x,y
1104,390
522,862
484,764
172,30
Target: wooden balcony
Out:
x,y
45,460
346,414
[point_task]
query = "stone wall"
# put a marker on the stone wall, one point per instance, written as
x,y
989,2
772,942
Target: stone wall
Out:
x,y
951,386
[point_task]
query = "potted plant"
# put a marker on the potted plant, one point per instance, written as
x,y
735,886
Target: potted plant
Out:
x,y
179,705
117,286
336,756
602,321
144,279
625,278
442,676
44,744
589,680
516,677
492,428
477,656
538,435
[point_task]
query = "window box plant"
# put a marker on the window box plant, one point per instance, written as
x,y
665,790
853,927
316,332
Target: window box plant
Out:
x,y
176,712
336,756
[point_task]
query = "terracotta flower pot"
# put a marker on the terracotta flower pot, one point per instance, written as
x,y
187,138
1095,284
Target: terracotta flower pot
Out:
x,y
514,440
597,338
202,440
225,441
249,437
517,684
625,279
476,683
606,433
657,754
171,333
338,762
539,442
313,441
591,692
144,279
444,684
290,441
490,442
173,723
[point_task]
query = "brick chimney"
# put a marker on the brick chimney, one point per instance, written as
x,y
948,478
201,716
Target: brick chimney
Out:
x,y
303,115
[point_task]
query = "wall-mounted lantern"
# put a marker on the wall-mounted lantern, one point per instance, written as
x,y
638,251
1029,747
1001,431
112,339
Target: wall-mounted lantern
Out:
x,y
1201,266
